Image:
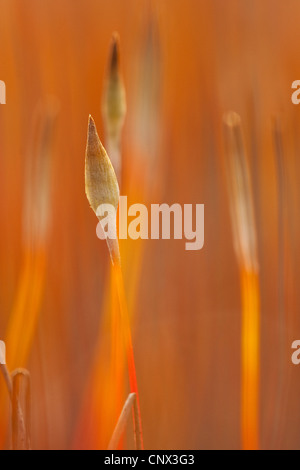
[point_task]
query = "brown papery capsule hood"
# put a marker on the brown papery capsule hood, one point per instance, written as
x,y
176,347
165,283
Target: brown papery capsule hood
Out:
x,y
101,185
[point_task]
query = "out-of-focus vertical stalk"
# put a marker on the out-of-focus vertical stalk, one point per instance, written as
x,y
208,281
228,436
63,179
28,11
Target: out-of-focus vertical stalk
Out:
x,y
243,223
36,215
283,213
26,308
250,359
145,126
145,137
114,107
21,405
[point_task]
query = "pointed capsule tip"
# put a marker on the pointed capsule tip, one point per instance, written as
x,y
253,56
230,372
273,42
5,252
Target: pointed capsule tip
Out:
x,y
114,58
93,141
100,179
91,122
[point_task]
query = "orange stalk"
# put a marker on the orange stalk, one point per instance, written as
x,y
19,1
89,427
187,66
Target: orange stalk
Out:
x,y
118,277
250,360
244,234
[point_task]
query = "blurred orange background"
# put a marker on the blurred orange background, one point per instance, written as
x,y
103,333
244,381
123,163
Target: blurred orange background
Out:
x,y
184,64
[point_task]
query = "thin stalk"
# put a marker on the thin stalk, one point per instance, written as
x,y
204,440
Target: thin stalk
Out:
x,y
244,231
113,247
18,386
250,360
122,421
283,383
21,410
37,204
